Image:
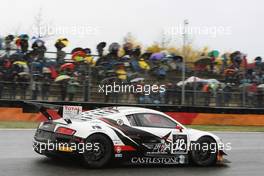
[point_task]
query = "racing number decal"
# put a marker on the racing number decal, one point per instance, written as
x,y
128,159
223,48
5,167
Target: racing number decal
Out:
x,y
179,144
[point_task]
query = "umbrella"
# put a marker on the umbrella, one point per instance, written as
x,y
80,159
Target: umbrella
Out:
x,y
79,53
235,54
229,72
76,50
109,80
101,45
261,86
24,37
75,83
23,74
64,41
19,63
46,70
67,65
9,38
213,53
62,77
157,56
211,81
61,43
244,85
203,61
114,47
38,43
190,80
137,80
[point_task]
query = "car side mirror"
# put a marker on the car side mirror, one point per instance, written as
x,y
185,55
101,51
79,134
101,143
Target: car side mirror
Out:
x,y
178,127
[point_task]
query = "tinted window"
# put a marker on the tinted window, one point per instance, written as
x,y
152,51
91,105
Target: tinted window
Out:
x,y
131,120
151,120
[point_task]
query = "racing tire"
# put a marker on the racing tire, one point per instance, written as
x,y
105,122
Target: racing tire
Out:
x,y
53,157
206,154
102,152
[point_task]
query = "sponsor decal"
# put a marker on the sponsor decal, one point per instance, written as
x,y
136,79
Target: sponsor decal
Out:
x,y
120,122
121,148
119,155
71,111
177,146
96,127
159,160
118,149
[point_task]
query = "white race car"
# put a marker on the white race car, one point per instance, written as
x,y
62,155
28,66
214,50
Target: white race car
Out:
x,y
127,134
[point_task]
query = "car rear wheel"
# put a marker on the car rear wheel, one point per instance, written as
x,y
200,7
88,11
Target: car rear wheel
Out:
x,y
101,152
205,152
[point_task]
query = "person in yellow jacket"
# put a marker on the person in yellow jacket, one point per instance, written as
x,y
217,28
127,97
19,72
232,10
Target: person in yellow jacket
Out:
x,y
143,64
121,72
90,60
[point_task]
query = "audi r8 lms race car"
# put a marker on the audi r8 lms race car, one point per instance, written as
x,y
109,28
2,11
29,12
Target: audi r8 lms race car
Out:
x,y
126,134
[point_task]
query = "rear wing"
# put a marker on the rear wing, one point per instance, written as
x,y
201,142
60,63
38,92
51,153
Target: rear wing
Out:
x,y
64,111
43,108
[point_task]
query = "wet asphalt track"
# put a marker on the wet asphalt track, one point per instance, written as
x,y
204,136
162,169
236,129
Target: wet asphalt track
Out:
x,y
18,159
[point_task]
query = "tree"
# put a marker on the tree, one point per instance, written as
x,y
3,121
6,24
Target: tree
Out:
x,y
41,28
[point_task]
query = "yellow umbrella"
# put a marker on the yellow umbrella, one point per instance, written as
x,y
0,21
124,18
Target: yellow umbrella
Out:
x,y
20,63
90,60
143,64
64,41
62,77
121,74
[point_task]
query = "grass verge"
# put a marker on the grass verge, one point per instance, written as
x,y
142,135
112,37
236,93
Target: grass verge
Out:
x,y
227,128
24,125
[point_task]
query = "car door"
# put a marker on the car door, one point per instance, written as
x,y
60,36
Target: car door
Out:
x,y
168,139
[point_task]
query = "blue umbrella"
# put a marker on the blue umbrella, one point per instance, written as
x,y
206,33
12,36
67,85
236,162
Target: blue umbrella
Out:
x,y
157,56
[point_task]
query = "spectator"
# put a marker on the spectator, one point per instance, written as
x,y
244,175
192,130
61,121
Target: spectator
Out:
x,y
227,94
63,90
23,84
72,88
219,96
35,87
45,86
206,94
60,44
252,93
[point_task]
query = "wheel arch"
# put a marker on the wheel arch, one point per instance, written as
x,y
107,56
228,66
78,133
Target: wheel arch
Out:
x,y
103,134
194,135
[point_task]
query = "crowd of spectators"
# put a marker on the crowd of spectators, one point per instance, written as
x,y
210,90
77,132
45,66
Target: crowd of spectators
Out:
x,y
27,73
